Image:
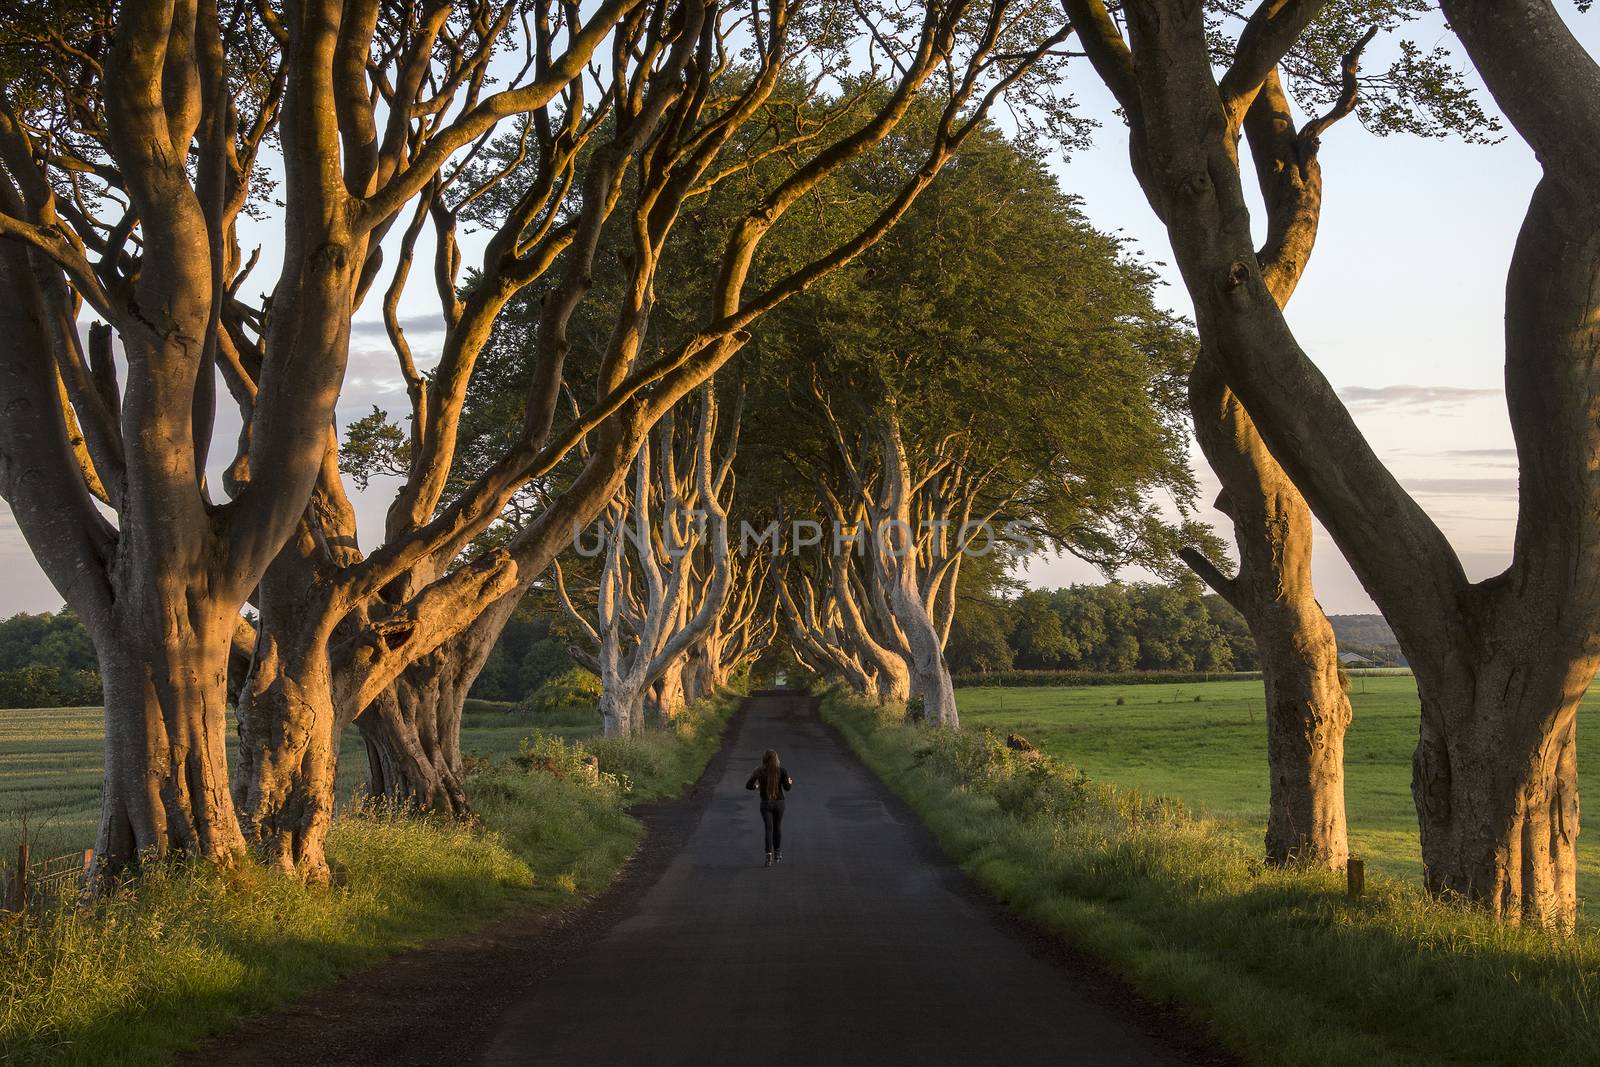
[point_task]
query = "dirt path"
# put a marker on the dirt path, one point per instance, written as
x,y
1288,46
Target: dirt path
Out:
x,y
865,945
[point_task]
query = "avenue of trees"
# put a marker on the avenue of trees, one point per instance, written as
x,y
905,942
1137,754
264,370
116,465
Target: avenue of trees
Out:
x,y
1019,382
134,141
699,270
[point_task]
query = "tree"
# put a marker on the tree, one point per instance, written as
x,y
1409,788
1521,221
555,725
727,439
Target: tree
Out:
x,y
1500,664
1036,631
666,572
132,137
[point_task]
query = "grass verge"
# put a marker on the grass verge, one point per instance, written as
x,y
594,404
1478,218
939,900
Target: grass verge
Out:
x,y
1278,964
146,971
1206,743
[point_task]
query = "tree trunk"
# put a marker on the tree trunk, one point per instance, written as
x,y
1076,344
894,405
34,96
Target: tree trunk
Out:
x,y
166,764
1308,710
668,695
1495,780
288,745
1308,713
930,676
702,669
413,729
895,546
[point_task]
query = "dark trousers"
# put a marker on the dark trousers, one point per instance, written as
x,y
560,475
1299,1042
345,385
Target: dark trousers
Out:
x,y
772,820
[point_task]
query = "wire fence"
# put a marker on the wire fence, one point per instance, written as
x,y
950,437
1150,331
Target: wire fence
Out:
x,y
35,883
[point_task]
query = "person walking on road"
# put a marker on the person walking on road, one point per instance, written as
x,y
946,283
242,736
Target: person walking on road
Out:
x,y
773,782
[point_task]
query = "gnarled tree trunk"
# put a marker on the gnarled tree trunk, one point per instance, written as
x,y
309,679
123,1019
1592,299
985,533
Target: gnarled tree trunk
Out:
x,y
1495,780
413,734
288,746
166,764
895,544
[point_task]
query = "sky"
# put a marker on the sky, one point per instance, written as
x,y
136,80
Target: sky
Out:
x,y
1401,307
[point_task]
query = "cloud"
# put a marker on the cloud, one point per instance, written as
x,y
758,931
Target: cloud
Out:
x,y
1412,397
1483,457
1482,488
411,324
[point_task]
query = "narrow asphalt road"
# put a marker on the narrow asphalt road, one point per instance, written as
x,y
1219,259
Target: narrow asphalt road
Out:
x,y
864,945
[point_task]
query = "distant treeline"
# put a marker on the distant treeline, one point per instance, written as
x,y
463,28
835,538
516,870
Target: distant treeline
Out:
x,y
1111,628
47,661
1116,628
529,655
1024,679
1080,635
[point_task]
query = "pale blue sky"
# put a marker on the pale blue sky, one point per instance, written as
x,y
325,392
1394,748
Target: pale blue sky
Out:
x,y
1402,308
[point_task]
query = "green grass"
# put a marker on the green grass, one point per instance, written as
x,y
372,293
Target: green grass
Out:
x,y
146,971
1278,964
1212,754
50,762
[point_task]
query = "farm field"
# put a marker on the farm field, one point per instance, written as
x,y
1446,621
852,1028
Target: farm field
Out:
x,y
50,766
1205,743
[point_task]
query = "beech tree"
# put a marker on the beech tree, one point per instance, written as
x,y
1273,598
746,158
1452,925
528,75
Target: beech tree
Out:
x,y
665,575
1500,664
133,139
1308,709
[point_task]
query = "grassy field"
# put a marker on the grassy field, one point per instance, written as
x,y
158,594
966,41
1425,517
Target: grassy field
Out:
x,y
1205,743
1279,964
177,954
50,765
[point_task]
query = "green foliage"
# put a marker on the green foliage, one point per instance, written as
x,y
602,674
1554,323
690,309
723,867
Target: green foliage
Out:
x,y
572,689
1093,679
554,755
47,661
530,652
1113,628
39,686
1005,330
1022,783
1280,965
372,446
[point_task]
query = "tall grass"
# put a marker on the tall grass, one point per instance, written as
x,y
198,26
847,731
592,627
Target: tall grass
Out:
x,y
144,971
1278,964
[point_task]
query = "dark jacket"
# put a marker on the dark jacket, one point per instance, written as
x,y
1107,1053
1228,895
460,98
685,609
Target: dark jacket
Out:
x,y
783,780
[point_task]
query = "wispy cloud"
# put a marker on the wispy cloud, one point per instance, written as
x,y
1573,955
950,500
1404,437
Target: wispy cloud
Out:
x,y
418,324
1482,488
1483,457
1412,397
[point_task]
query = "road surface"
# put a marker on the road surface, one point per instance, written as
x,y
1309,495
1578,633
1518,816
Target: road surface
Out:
x,y
864,945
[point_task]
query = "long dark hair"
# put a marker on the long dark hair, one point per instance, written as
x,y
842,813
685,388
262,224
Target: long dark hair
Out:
x,y
771,776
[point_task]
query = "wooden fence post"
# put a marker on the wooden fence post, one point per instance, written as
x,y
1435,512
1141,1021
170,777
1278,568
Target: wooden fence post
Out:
x,y
19,885
1355,877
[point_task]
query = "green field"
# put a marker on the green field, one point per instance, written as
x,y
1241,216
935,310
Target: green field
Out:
x,y
1205,743
50,766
